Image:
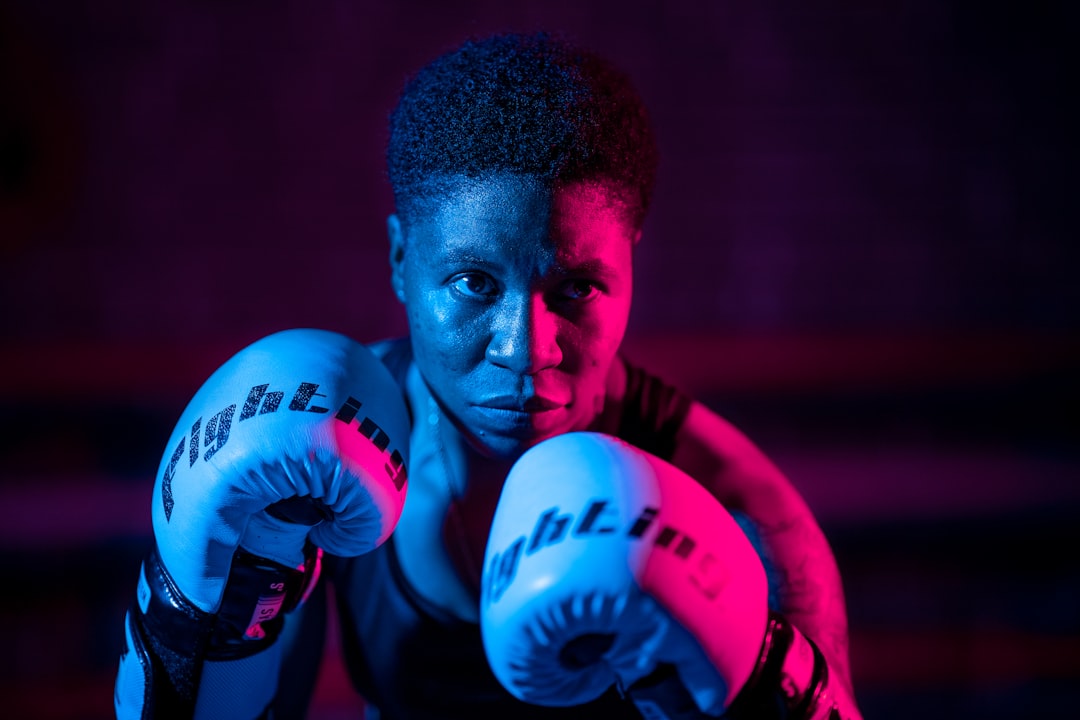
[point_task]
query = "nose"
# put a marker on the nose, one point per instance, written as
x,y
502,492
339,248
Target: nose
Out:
x,y
524,335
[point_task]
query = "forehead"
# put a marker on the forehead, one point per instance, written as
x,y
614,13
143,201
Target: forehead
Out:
x,y
509,213
467,205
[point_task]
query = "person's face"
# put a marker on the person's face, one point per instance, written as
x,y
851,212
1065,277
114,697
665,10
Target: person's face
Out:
x,y
517,299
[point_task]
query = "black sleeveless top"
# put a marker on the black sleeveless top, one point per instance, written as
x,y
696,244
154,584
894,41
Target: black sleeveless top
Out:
x,y
412,660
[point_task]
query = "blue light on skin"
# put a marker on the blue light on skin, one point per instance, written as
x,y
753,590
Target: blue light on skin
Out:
x,y
517,298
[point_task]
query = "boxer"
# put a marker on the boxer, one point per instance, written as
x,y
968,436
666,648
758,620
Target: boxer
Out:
x,y
522,168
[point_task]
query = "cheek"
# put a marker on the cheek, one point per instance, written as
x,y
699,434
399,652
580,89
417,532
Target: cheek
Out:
x,y
596,339
446,341
611,320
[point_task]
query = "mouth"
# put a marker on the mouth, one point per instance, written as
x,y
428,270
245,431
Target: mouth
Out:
x,y
520,404
517,415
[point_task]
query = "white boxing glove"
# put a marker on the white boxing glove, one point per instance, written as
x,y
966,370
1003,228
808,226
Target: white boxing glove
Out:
x,y
297,443
301,414
607,566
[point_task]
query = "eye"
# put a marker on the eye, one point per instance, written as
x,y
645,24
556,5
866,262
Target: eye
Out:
x,y
578,290
474,284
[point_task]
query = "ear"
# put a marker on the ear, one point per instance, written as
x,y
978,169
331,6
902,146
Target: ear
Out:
x,y
397,256
637,237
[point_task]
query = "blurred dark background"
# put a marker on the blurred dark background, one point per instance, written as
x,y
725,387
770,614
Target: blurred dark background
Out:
x,y
862,251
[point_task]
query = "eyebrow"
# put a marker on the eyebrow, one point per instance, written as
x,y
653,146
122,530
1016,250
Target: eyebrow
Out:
x,y
460,256
596,267
592,266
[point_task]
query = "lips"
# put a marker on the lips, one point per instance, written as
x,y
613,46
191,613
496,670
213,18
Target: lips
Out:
x,y
524,418
517,403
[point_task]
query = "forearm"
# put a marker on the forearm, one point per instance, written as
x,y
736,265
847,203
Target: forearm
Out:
x,y
807,591
804,580
803,575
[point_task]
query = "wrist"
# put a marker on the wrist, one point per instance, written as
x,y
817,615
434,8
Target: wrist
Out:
x,y
257,594
791,679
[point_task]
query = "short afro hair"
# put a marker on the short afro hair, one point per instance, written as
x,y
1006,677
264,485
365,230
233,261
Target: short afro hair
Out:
x,y
535,105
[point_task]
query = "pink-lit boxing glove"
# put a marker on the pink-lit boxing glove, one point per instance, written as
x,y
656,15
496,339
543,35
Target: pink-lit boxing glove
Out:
x,y
607,566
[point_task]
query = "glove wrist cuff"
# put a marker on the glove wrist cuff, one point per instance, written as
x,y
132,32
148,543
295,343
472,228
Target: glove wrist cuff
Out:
x,y
790,681
249,618
258,594
179,636
173,623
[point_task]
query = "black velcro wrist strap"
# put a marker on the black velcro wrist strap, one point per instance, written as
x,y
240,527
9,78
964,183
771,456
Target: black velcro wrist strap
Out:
x,y
170,619
257,596
760,697
817,701
177,636
174,633
771,691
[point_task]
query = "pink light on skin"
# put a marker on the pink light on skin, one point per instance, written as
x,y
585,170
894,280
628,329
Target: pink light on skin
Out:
x,y
517,296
